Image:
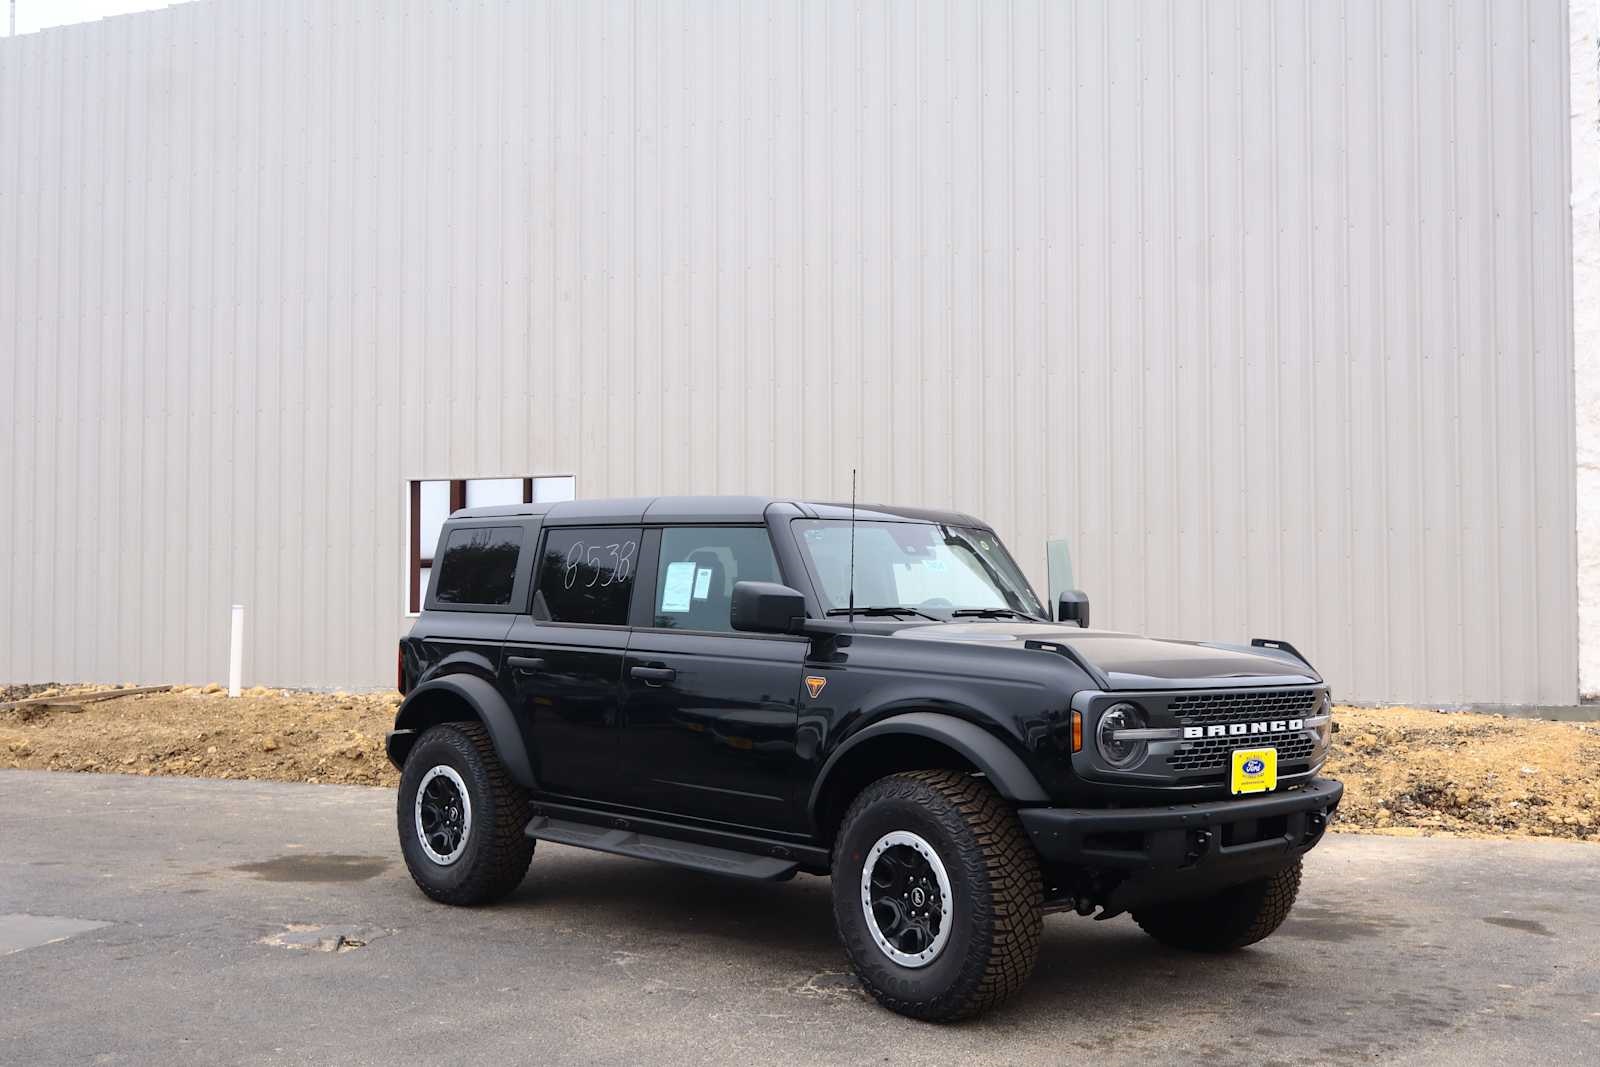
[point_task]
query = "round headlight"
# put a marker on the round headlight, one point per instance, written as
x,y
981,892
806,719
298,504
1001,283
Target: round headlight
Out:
x,y
1119,752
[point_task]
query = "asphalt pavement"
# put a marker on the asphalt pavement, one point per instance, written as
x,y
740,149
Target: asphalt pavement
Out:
x,y
178,921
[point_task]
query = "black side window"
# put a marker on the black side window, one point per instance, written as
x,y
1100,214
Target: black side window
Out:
x,y
587,575
479,565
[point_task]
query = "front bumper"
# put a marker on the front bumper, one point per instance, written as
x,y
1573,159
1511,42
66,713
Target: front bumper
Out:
x,y
1185,849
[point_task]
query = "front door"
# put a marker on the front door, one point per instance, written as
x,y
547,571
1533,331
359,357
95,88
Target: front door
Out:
x,y
562,668
709,715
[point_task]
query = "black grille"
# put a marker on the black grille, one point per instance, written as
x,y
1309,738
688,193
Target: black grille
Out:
x,y
1212,753
1209,709
1200,709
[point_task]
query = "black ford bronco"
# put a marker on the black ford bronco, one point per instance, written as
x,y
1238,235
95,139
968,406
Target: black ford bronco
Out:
x,y
757,687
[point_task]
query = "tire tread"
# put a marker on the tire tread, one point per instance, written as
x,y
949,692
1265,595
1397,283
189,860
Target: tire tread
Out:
x,y
1004,861
506,851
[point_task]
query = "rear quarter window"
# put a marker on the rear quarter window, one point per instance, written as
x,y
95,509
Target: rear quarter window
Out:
x,y
478,565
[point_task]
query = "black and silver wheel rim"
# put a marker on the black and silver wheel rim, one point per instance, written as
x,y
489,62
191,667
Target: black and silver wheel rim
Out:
x,y
444,815
905,895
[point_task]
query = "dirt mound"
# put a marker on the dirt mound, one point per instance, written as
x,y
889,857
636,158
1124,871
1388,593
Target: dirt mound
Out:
x,y
1405,770
278,734
1408,771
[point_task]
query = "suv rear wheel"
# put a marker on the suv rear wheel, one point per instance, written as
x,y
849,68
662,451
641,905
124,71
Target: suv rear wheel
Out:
x,y
1238,916
462,818
936,894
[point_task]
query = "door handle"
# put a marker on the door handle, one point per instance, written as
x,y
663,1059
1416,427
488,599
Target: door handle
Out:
x,y
652,675
525,663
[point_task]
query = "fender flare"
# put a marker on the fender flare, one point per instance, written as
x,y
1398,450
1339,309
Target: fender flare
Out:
x,y
491,709
1003,767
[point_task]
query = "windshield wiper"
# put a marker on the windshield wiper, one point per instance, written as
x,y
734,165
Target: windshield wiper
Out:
x,y
991,613
882,609
954,538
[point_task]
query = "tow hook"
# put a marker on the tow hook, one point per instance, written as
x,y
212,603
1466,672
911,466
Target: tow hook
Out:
x,y
1198,843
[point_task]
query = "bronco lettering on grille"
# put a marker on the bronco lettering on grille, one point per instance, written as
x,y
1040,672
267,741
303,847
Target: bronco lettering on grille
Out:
x,y
1243,729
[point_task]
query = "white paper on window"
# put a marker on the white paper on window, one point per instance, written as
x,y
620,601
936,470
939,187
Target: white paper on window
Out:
x,y
678,588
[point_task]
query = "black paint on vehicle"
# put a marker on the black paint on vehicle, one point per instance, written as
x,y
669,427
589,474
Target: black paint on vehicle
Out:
x,y
734,683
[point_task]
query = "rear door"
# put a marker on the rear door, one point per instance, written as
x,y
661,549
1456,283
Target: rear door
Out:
x,y
562,668
709,716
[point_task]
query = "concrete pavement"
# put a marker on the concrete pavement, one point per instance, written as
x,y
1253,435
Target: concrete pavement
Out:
x,y
274,923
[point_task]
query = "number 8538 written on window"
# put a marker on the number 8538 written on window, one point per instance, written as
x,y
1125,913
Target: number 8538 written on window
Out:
x,y
603,564
587,576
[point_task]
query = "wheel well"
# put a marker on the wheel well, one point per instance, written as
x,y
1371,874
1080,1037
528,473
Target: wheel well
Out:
x,y
428,710
875,758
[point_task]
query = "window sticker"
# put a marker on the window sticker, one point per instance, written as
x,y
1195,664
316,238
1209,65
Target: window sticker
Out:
x,y
676,589
702,583
932,564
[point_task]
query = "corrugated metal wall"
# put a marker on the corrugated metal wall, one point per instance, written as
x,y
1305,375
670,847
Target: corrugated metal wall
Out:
x,y
1266,305
1584,60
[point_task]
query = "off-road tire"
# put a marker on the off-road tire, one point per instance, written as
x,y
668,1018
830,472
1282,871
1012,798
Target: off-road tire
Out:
x,y
1223,922
996,913
496,854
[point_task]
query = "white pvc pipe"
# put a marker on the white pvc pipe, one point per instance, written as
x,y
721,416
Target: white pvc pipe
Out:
x,y
236,651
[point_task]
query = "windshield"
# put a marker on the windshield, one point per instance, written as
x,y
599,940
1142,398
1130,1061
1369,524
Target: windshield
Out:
x,y
935,569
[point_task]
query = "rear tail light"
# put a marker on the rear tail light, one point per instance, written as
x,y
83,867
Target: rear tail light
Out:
x,y
400,670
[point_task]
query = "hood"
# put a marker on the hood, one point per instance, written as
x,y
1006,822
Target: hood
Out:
x,y
1127,661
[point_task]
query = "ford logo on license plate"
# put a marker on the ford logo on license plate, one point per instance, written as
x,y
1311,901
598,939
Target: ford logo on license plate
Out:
x,y
1255,770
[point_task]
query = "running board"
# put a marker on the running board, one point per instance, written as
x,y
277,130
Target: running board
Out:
x,y
661,849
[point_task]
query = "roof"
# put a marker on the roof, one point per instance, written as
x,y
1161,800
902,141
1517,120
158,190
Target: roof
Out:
x,y
679,509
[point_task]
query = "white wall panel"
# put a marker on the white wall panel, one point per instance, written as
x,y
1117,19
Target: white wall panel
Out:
x,y
1266,306
1585,152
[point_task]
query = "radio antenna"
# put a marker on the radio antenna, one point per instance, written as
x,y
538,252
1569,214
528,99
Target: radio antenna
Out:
x,y
852,608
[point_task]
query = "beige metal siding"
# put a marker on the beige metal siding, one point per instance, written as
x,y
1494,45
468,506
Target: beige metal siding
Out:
x,y
1584,58
1267,306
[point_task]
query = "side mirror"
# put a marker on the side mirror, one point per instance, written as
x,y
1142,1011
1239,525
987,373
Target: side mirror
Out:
x,y
766,608
1072,607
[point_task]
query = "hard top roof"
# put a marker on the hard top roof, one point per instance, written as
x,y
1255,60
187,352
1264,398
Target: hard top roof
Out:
x,y
684,509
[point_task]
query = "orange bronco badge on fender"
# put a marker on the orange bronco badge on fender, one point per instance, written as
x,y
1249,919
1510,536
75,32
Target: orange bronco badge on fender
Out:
x,y
815,684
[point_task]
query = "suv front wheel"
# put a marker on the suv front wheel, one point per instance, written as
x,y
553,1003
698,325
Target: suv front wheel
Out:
x,y
461,817
936,894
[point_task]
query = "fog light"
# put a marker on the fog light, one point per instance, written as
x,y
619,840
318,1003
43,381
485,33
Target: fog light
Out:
x,y
1120,751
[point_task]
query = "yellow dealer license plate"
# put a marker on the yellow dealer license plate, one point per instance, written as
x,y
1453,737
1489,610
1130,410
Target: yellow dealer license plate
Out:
x,y
1255,770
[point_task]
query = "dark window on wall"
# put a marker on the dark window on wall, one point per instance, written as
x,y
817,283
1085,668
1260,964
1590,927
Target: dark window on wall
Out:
x,y
479,565
431,501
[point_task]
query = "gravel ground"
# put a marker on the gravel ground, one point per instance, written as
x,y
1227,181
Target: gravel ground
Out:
x,y
1407,771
